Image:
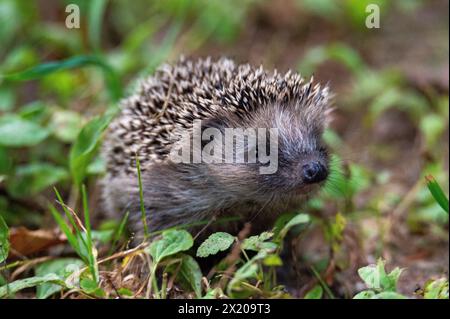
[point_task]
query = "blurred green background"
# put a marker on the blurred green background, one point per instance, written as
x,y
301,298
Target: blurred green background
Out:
x,y
390,126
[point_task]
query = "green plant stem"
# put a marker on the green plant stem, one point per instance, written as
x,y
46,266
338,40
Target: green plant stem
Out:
x,y
152,283
92,260
322,283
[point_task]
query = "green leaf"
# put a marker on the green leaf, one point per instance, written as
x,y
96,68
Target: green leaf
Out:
x,y
83,150
409,101
432,126
91,287
214,243
359,179
366,294
258,242
191,274
34,178
296,220
88,285
375,277
315,293
215,293
334,231
15,286
36,111
388,295
437,289
339,52
370,276
437,193
62,267
173,241
347,56
4,242
97,166
6,163
273,260
125,292
17,132
325,8
356,14
66,125
7,99
332,139
390,284
247,271
103,236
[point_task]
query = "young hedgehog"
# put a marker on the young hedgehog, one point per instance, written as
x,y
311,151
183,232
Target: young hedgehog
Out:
x,y
222,95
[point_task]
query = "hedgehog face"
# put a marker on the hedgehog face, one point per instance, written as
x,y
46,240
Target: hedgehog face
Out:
x,y
302,156
290,156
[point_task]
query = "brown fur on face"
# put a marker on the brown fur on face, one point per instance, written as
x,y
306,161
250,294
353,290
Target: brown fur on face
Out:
x,y
222,95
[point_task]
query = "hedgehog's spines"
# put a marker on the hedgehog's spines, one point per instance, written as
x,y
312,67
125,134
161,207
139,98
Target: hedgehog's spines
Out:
x,y
177,94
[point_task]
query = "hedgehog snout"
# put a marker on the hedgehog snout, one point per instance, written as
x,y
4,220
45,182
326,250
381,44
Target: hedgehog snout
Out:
x,y
314,172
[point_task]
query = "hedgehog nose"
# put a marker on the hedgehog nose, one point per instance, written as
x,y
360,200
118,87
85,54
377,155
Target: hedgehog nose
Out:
x,y
314,172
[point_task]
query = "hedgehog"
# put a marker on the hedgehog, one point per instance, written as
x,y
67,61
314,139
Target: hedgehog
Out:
x,y
218,95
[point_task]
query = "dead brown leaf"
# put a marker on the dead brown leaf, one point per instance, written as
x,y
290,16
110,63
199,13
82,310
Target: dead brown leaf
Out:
x,y
25,242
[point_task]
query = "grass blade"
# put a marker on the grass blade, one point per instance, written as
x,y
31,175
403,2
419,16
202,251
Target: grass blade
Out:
x,y
66,230
4,240
43,69
87,222
437,192
118,232
95,14
76,228
67,212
